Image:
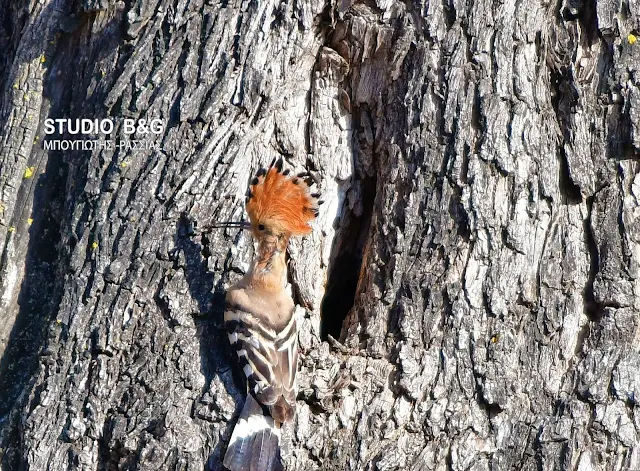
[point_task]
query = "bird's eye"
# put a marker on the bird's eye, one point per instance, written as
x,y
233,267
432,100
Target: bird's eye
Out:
x,y
261,227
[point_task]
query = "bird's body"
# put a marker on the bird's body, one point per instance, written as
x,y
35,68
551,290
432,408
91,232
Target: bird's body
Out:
x,y
261,324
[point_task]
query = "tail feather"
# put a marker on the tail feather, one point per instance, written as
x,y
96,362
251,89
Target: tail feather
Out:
x,y
255,441
264,451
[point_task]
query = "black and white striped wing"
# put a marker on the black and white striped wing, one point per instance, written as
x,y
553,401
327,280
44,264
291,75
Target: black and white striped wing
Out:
x,y
268,359
287,352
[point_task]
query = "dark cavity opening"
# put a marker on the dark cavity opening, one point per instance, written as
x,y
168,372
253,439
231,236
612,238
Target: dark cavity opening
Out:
x,y
593,309
345,265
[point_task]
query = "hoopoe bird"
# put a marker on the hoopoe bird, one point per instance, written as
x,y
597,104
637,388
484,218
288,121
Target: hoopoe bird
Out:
x,y
259,318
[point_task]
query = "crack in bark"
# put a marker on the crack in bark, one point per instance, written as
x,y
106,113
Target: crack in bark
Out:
x,y
592,308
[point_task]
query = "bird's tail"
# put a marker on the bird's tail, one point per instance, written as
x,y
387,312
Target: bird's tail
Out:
x,y
255,441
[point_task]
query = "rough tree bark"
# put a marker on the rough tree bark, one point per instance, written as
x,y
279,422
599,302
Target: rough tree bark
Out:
x,y
480,237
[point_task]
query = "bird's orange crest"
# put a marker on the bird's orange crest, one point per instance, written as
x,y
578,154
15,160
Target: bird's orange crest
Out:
x,y
280,202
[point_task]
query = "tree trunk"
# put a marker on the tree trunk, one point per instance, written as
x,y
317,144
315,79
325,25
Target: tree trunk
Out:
x,y
477,255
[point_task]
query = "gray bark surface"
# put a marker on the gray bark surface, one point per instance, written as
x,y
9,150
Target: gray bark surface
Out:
x,y
478,162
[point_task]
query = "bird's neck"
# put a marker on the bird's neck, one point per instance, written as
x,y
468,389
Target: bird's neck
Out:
x,y
269,268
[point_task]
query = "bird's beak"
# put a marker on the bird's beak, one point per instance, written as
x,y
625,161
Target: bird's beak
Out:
x,y
223,224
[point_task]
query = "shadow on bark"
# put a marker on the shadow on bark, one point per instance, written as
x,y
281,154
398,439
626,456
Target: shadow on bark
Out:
x,y
39,295
212,338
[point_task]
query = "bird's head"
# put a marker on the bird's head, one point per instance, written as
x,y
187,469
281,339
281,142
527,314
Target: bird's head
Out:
x,y
280,205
